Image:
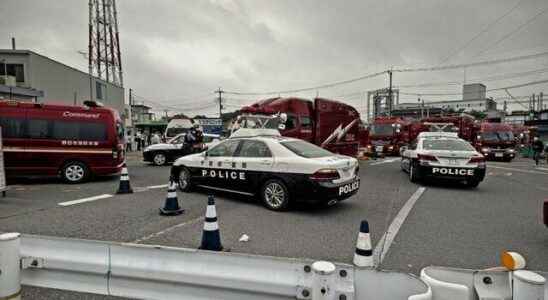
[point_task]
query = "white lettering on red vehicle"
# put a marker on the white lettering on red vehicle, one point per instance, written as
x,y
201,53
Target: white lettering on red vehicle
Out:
x,y
79,143
446,171
69,114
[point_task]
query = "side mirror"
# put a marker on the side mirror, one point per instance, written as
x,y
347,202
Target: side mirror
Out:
x,y
281,126
205,153
283,116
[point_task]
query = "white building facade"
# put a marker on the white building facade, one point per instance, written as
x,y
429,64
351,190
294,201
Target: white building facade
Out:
x,y
27,75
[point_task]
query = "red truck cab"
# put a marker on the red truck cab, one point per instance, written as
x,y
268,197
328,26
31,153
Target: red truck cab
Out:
x,y
74,142
327,123
388,134
496,141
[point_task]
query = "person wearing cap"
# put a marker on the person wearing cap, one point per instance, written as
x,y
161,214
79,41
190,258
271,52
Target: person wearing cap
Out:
x,y
538,146
192,137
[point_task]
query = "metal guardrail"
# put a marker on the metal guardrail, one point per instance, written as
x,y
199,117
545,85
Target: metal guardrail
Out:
x,y
464,284
157,272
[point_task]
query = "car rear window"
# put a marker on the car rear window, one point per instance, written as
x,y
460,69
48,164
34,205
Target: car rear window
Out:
x,y
446,144
306,149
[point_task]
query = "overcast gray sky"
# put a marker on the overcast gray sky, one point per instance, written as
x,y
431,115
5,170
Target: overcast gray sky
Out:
x,y
177,52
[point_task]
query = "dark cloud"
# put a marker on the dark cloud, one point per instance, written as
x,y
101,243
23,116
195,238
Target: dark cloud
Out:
x,y
173,49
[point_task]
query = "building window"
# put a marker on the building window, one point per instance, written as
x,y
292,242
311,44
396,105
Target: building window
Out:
x,y
99,88
15,70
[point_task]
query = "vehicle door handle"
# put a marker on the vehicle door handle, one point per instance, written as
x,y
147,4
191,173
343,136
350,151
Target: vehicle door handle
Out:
x,y
265,162
227,161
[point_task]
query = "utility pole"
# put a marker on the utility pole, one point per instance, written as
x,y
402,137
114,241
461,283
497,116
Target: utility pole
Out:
x,y
220,99
130,97
421,103
539,105
390,93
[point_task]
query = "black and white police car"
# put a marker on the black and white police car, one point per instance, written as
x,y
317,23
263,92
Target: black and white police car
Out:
x,y
280,170
163,153
443,155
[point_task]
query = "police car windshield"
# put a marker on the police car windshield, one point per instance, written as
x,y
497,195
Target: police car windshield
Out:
x,y
306,149
447,145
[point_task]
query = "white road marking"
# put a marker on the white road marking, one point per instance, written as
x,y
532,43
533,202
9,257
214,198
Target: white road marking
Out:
x,y
388,237
543,169
385,161
150,236
519,170
83,200
161,186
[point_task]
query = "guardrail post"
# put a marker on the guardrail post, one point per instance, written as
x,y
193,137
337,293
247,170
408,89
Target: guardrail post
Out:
x,y
528,285
10,270
323,280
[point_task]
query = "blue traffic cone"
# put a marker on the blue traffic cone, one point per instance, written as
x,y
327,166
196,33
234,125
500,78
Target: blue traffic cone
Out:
x,y
211,237
125,186
171,205
363,256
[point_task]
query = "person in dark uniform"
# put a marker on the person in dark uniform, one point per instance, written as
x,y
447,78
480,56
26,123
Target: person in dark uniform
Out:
x,y
193,137
538,146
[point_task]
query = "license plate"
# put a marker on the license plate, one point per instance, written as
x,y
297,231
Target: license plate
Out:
x,y
349,188
499,154
379,148
452,161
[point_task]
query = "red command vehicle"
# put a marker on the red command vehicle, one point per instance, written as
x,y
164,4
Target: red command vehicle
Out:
x,y
496,141
327,123
388,134
74,142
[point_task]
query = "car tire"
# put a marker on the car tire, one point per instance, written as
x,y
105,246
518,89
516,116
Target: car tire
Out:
x,y
159,159
413,172
185,184
275,195
75,172
472,183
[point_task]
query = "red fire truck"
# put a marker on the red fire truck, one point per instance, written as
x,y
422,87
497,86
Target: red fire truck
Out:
x,y
328,123
496,141
74,142
388,134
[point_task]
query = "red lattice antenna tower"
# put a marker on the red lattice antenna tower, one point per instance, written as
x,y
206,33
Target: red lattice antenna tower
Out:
x,y
105,60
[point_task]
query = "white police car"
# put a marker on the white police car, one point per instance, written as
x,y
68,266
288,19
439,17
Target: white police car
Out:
x,y
443,155
279,170
162,153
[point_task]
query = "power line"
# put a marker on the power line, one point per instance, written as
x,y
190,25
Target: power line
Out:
x,y
513,32
485,29
489,90
446,83
323,86
174,108
515,100
475,64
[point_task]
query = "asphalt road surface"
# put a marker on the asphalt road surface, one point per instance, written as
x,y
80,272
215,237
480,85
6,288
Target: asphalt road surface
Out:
x,y
435,223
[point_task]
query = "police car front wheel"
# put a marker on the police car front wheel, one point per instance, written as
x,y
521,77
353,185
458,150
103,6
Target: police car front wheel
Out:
x,y
275,195
184,180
